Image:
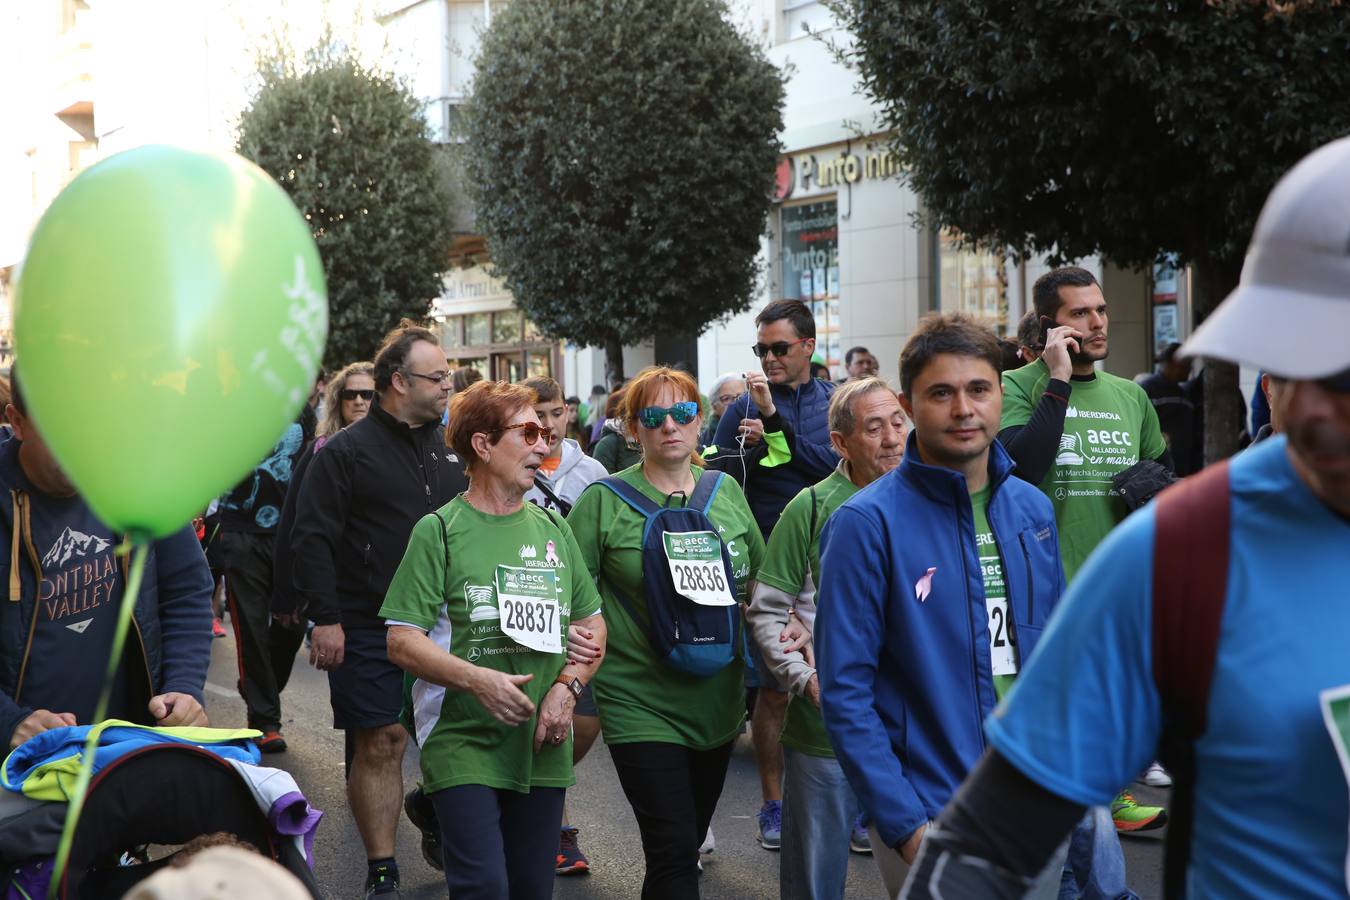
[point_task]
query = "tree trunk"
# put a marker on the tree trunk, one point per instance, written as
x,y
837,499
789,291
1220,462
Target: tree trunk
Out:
x,y
613,361
1225,412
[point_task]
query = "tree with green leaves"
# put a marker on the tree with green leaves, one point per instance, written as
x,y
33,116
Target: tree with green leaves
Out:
x,y
621,159
349,145
1118,128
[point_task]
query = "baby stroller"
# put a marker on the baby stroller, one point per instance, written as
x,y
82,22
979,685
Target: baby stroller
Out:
x,y
164,794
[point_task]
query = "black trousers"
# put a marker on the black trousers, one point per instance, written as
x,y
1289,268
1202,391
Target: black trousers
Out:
x,y
673,791
265,649
498,844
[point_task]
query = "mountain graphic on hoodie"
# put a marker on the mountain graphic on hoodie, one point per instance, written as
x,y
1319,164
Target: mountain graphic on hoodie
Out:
x,y
71,544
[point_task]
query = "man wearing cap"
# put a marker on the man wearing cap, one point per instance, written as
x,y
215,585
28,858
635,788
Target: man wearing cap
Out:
x,y
1272,710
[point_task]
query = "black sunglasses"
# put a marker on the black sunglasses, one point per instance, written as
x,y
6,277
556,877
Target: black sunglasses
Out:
x,y
777,348
353,394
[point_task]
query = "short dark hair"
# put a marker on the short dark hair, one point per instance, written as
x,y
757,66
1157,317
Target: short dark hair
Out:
x,y
1029,330
545,389
393,353
795,311
16,390
1168,353
946,333
852,352
1045,292
1012,354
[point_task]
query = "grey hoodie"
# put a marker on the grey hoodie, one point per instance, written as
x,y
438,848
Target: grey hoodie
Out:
x,y
570,478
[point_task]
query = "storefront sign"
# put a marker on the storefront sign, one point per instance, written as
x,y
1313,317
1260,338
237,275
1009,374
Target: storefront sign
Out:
x,y
809,173
471,286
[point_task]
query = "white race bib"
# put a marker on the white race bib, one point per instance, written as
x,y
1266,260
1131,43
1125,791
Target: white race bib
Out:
x,y
527,600
695,559
1002,649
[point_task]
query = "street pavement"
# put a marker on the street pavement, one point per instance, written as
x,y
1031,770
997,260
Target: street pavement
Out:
x,y
739,868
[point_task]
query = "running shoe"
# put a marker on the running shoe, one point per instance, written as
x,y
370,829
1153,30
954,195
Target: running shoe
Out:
x,y
859,841
382,882
422,814
1156,776
1129,816
271,742
571,861
708,845
771,825
217,628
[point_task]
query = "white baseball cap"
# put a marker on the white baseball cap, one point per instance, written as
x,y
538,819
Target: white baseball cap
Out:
x,y
1290,313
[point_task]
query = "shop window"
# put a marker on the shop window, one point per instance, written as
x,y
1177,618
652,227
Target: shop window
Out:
x,y
539,363
809,258
974,282
506,327
452,332
477,329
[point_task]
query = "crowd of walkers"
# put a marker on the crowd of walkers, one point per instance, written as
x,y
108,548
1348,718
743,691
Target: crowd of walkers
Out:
x,y
961,618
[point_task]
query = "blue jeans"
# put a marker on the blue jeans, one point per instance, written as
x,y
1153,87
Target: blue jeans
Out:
x,y
819,809
1096,864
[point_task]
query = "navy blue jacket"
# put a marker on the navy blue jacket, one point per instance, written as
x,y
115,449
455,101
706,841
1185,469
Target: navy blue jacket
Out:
x,y
805,410
906,683
169,644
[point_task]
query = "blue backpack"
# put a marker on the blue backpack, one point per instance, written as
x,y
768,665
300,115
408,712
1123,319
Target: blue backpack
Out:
x,y
690,637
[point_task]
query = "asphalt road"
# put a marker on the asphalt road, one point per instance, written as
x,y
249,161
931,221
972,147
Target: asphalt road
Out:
x,y
738,868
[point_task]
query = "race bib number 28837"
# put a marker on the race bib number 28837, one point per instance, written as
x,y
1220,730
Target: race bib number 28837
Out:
x,y
695,560
528,602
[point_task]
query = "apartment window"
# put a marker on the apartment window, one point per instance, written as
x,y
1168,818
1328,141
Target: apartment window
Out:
x,y
801,16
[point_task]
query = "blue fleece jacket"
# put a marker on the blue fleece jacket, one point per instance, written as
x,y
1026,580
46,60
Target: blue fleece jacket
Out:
x,y
805,409
906,676
170,642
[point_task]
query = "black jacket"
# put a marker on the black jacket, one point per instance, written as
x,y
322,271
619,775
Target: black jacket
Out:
x,y
357,506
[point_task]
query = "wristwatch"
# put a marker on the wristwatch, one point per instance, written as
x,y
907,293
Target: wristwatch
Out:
x,y
573,684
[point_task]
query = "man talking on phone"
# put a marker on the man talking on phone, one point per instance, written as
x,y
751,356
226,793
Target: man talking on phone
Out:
x,y
1071,429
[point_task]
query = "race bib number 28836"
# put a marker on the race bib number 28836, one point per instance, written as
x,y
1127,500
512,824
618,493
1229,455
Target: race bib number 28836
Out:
x,y
695,560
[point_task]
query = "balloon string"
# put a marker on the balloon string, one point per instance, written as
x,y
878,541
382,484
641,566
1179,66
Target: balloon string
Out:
x,y
140,549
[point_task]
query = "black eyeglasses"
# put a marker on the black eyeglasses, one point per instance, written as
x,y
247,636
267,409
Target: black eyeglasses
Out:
x,y
353,394
434,377
777,348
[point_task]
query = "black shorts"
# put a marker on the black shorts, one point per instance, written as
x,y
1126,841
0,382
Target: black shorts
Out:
x,y
367,689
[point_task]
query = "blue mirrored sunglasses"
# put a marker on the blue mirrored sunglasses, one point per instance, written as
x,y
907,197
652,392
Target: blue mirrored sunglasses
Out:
x,y
654,417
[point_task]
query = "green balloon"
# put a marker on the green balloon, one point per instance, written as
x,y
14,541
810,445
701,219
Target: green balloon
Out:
x,y
170,316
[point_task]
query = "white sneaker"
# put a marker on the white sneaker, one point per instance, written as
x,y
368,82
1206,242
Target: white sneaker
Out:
x,y
1156,776
709,845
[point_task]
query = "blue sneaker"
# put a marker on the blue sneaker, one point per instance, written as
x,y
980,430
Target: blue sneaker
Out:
x,y
860,841
771,825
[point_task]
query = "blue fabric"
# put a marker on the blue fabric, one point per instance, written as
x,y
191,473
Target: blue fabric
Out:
x,y
1096,865
906,682
1271,808
806,411
172,617
115,740
1260,407
819,809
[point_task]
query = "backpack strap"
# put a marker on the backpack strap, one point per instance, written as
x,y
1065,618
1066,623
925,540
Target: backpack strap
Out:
x,y
542,483
445,542
1190,581
630,495
811,531
705,491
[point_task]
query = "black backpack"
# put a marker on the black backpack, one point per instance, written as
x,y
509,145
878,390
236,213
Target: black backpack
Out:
x,y
690,637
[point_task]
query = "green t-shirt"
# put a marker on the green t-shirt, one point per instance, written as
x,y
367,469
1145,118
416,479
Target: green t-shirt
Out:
x,y
1109,426
792,565
1003,651
639,697
522,570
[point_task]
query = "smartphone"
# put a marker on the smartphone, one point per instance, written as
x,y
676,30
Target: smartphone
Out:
x,y
1046,324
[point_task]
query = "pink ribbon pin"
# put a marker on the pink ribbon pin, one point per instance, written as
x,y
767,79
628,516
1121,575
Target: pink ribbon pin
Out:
x,y
924,586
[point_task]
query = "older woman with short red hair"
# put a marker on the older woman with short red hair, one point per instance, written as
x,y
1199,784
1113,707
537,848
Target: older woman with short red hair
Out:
x,y
478,614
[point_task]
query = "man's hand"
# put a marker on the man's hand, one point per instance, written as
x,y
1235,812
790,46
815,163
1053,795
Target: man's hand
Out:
x,y
581,647
38,721
752,430
757,383
177,709
326,647
555,717
812,690
501,696
1058,342
910,848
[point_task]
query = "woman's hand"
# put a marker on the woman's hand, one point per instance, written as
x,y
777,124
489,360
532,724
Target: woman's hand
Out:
x,y
501,696
582,649
794,635
555,717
